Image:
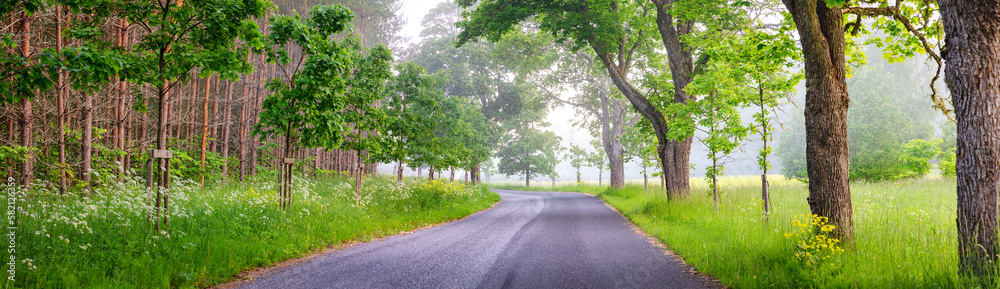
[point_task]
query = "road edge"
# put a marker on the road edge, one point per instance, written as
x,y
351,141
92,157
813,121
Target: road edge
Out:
x,y
250,275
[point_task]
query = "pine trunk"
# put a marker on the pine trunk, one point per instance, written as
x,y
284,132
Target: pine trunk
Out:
x,y
61,107
27,167
204,127
972,55
86,142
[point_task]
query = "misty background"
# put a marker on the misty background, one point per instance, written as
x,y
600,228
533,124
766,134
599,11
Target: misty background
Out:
x,y
904,85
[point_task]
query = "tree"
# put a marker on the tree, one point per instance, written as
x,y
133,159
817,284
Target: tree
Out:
x,y
973,75
530,154
599,107
640,147
599,160
179,37
616,31
335,85
415,96
492,74
578,158
820,25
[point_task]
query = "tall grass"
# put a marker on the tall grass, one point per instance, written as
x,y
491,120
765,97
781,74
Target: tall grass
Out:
x,y
214,232
905,233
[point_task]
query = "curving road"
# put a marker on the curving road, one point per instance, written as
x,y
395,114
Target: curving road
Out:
x,y
531,240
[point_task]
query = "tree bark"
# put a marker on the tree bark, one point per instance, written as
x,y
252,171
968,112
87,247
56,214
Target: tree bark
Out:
x,y
27,167
227,113
61,107
972,57
86,142
821,32
204,127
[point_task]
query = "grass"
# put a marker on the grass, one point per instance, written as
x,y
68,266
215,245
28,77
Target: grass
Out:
x,y
905,233
215,232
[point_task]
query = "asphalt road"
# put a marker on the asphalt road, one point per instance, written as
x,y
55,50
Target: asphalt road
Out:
x,y
531,240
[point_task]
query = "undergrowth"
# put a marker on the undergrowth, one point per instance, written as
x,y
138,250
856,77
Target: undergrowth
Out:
x,y
215,232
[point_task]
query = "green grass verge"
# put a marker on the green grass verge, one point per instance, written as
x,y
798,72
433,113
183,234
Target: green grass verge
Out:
x,y
905,233
215,232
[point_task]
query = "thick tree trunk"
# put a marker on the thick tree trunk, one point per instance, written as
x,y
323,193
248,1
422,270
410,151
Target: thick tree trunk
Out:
x,y
452,174
821,32
430,173
675,155
972,57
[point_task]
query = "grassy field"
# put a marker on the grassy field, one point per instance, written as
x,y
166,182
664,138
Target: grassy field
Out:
x,y
215,232
905,233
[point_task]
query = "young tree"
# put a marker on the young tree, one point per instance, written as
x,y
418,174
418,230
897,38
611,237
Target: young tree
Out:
x,y
599,160
415,97
578,158
640,147
178,37
335,85
530,154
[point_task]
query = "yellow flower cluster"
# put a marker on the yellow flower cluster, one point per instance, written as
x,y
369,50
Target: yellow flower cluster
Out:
x,y
813,245
446,188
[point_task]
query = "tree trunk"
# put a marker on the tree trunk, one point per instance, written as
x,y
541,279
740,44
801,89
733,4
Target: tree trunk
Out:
x,y
452,174
27,167
764,186
86,142
715,181
61,107
430,173
399,171
645,178
227,113
972,55
204,127
358,175
244,119
527,178
821,32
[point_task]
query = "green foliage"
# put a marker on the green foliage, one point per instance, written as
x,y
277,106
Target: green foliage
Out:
x,y
529,155
216,232
917,154
947,163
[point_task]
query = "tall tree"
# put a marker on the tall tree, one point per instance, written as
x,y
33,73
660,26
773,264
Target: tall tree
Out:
x,y
820,25
972,55
616,30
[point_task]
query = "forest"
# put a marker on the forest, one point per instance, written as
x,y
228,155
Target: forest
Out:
x,y
177,143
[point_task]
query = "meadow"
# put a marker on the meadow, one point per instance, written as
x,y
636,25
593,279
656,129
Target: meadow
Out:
x,y
905,233
215,232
